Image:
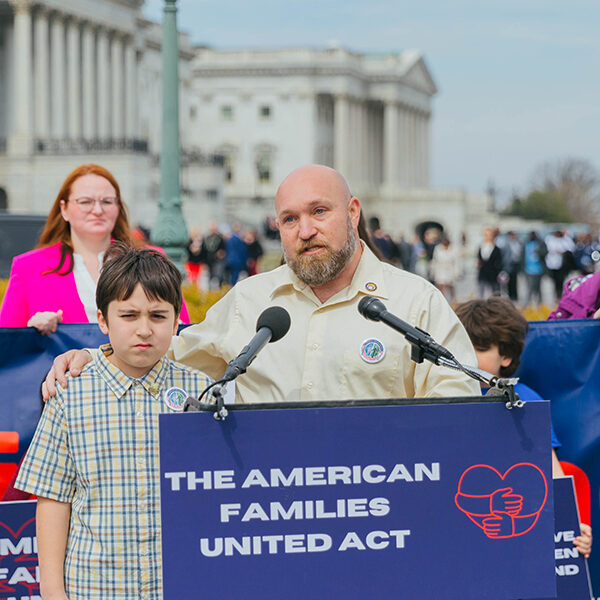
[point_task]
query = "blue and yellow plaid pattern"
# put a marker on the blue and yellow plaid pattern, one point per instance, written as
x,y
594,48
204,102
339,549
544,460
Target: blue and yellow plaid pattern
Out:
x,y
96,447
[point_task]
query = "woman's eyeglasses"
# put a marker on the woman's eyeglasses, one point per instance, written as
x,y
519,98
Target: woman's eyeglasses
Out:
x,y
87,204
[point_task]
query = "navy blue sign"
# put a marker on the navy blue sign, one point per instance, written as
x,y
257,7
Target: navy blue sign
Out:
x,y
572,577
19,573
561,361
439,501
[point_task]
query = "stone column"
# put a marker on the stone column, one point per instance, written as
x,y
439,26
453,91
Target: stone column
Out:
x,y
353,141
20,142
391,153
378,154
363,150
103,83
426,146
368,133
130,90
423,143
74,79
341,135
117,73
58,76
41,70
419,147
88,92
415,145
410,148
370,179
404,146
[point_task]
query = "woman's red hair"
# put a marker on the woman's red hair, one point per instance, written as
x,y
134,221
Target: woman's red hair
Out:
x,y
57,229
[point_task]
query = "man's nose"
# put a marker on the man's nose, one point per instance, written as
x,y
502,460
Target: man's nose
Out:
x,y
306,228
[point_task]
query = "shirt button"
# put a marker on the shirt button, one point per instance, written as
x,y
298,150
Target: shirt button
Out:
x,y
144,552
315,346
139,460
309,385
139,414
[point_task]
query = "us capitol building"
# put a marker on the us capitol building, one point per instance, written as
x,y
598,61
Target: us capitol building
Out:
x,y
81,82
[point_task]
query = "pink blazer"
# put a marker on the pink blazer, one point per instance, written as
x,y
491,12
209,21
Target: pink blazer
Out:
x,y
29,291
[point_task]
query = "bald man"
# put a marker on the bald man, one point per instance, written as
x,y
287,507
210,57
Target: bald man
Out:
x,y
330,352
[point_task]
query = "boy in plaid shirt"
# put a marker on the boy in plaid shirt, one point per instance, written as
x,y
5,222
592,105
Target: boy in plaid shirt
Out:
x,y
93,461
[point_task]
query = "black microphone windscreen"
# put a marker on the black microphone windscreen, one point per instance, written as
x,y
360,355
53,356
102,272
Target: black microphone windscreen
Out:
x,y
275,318
371,308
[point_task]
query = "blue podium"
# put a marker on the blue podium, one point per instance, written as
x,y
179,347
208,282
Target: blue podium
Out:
x,y
354,500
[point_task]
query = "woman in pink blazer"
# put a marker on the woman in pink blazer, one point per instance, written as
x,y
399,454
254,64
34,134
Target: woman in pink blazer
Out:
x,y
56,282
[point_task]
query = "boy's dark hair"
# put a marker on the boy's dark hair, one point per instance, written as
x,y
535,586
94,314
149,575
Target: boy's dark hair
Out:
x,y
495,321
124,267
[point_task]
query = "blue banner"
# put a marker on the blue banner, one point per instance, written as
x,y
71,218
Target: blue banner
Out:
x,y
572,576
19,573
437,501
561,362
25,357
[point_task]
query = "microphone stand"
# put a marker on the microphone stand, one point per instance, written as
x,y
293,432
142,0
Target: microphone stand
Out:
x,y
424,347
219,411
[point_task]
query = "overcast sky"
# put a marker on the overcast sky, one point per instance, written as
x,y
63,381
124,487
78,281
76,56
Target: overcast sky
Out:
x,y
519,80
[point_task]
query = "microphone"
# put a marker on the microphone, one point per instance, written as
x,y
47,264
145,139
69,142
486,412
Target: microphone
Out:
x,y
424,346
273,323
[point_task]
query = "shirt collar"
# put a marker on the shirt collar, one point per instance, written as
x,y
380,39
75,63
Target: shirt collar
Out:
x,y
368,279
120,383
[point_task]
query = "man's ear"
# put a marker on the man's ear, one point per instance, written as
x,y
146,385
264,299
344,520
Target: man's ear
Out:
x,y
354,210
506,361
102,322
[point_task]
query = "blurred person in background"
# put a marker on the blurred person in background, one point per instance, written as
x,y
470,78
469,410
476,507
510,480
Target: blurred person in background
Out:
x,y
513,255
196,256
534,253
214,255
489,265
236,254
56,282
386,246
445,268
255,251
559,259
586,253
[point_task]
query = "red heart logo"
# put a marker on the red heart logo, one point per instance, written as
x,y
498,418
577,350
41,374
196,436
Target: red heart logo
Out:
x,y
502,505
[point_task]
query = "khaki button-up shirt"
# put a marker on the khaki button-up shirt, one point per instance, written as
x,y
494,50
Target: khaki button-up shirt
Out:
x,y
323,356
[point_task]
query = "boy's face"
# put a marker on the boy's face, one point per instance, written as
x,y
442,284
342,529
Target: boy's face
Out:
x,y
139,330
491,360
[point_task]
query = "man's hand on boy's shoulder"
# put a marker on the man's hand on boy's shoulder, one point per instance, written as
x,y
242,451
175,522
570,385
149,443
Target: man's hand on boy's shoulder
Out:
x,y
71,361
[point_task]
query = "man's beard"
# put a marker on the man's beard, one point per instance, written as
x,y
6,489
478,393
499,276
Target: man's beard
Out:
x,y
325,266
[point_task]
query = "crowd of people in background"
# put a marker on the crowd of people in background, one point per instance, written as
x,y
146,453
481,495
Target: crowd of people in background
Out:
x,y
510,264
222,255
503,257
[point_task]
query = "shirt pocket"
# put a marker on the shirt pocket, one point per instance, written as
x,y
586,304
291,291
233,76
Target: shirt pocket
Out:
x,y
374,368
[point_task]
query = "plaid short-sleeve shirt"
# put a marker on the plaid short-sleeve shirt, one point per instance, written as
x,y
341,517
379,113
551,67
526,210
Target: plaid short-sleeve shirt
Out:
x,y
96,447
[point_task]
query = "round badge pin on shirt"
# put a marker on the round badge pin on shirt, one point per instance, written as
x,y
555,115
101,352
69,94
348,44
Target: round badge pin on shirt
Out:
x,y
175,398
372,350
370,286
